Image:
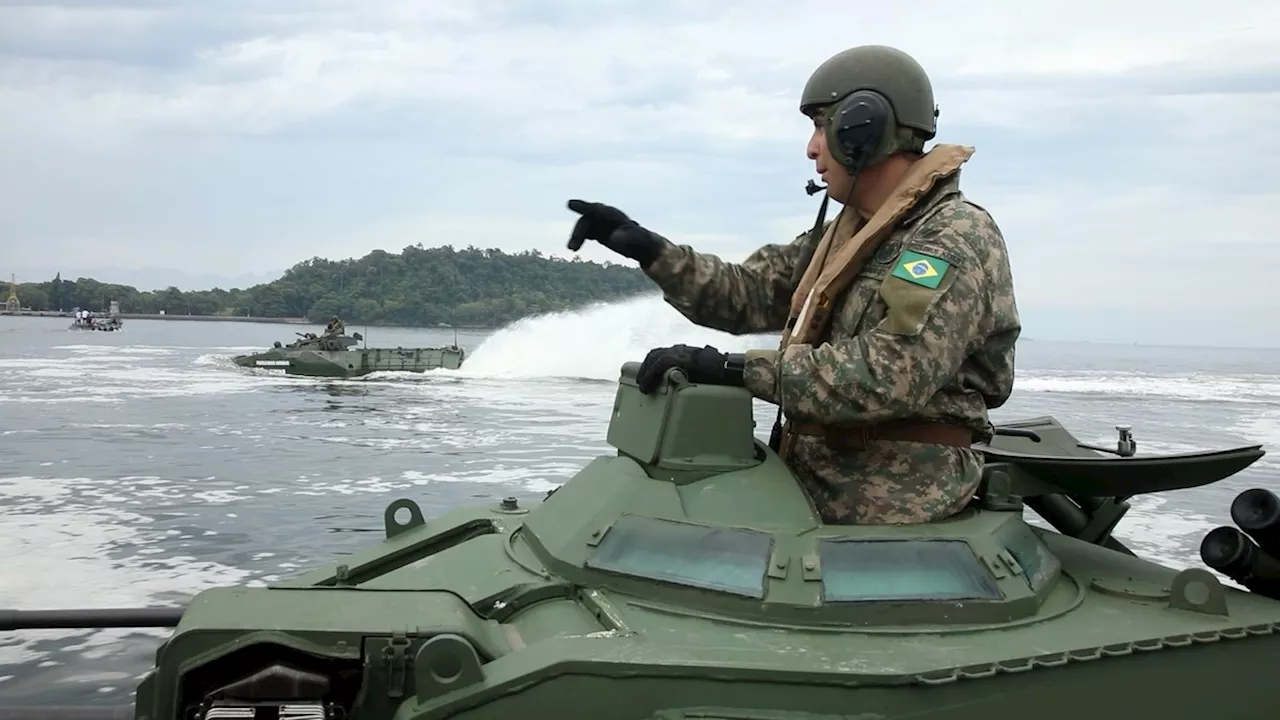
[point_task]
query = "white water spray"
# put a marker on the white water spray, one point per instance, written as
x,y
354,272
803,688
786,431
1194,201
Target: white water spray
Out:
x,y
595,341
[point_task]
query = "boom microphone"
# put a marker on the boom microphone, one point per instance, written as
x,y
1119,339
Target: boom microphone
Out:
x,y
814,188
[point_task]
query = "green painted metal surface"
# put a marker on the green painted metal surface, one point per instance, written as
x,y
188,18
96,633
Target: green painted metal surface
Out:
x,y
336,356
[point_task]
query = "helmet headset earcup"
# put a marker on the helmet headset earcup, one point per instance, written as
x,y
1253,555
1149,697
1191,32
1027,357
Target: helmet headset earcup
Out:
x,y
861,130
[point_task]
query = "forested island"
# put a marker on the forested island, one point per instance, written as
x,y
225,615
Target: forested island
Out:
x,y
418,287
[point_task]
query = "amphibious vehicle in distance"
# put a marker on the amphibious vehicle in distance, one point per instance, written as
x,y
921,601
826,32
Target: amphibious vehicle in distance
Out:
x,y
336,356
111,323
104,322
688,576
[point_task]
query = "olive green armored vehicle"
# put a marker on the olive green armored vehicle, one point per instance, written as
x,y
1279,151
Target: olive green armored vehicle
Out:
x,y
336,356
687,576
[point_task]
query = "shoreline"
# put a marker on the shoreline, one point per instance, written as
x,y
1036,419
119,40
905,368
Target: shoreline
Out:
x,y
235,318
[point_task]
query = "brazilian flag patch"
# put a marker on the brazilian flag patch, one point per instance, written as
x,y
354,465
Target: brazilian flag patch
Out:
x,y
920,269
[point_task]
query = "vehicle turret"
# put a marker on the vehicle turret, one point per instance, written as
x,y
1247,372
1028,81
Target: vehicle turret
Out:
x,y
311,341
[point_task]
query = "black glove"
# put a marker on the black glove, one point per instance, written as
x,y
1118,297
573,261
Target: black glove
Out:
x,y
701,365
611,227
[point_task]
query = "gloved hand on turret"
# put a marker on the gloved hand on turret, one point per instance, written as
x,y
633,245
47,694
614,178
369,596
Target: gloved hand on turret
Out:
x,y
702,365
612,228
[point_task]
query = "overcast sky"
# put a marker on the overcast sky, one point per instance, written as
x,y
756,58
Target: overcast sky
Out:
x,y
1126,149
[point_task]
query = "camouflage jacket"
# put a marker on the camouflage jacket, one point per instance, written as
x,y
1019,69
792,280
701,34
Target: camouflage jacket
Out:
x,y
947,358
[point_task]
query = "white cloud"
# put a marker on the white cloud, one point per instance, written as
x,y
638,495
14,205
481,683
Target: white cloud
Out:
x,y
246,134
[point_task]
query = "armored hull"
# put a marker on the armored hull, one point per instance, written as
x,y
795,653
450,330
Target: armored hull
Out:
x,y
354,363
687,575
335,356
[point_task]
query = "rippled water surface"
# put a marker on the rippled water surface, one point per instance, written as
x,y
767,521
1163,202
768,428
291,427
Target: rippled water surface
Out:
x,y
139,467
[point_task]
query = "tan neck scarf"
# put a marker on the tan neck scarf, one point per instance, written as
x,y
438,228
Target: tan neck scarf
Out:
x,y
850,245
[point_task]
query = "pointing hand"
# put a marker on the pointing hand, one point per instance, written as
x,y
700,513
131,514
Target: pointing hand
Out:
x,y
612,228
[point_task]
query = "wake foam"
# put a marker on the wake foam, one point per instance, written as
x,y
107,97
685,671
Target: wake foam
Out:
x,y
65,546
592,343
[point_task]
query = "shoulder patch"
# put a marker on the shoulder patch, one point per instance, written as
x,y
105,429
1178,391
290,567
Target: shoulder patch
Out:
x,y
925,270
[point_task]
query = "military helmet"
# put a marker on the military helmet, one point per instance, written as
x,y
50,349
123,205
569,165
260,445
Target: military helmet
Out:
x,y
888,71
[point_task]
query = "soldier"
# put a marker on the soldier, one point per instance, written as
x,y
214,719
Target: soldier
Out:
x,y
898,317
335,327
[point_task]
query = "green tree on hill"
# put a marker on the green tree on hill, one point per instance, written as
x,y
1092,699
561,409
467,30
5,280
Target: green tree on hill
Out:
x,y
418,287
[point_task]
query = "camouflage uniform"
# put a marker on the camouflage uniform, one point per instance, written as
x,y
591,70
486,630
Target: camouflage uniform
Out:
x,y
946,355
919,345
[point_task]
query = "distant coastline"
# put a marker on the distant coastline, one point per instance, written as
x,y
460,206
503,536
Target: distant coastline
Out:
x,y
158,316
232,318
420,287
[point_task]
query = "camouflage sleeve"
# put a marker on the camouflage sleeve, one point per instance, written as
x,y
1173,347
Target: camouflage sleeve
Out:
x,y
751,297
937,302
